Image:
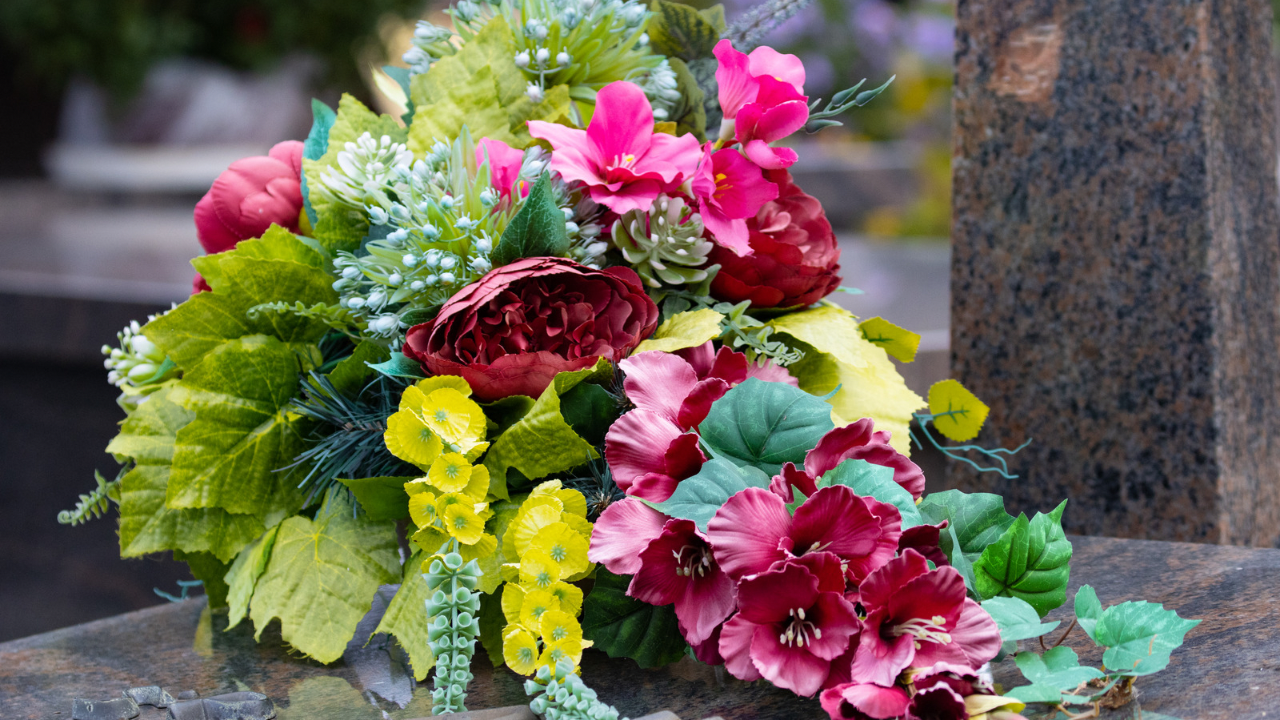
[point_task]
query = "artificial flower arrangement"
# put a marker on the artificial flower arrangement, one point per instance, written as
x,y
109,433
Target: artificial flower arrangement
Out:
x,y
553,351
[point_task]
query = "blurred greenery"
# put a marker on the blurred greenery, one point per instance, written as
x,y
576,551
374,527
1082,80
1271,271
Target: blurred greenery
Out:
x,y
115,42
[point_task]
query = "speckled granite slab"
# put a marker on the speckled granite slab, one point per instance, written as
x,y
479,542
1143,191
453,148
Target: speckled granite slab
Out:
x,y
1116,262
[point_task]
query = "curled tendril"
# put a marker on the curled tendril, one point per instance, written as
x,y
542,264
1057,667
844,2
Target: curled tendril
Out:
x,y
999,456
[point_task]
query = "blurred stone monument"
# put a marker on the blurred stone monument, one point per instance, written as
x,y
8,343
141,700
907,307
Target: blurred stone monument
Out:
x,y
1116,262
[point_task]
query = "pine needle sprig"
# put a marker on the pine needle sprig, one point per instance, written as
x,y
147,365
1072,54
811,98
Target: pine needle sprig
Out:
x,y
747,32
597,487
97,502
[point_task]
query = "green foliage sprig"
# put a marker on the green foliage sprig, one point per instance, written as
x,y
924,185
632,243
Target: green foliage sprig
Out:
x,y
454,608
97,502
840,102
559,694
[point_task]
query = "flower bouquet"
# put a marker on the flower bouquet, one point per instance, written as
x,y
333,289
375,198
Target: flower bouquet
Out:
x,y
552,351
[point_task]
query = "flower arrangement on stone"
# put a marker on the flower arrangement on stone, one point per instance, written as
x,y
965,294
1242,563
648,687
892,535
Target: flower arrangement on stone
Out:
x,y
554,351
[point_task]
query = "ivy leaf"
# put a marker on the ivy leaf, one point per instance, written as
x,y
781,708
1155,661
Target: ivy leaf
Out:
x,y
230,454
1035,694
678,30
322,576
1017,620
537,230
243,576
1088,610
698,498
1139,637
765,425
875,481
898,342
1029,561
625,627
978,519
1058,668
382,498
957,413
407,620
684,330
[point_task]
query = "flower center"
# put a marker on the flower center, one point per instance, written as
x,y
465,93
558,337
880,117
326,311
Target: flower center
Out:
x,y
692,559
558,553
722,187
799,631
442,416
924,629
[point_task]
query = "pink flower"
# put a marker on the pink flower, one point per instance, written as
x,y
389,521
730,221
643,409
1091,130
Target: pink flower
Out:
x,y
250,196
504,165
918,617
738,75
678,567
864,701
763,95
622,532
789,628
730,189
621,160
856,441
753,531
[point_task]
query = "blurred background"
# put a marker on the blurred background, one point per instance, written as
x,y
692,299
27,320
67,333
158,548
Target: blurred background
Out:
x,y
116,115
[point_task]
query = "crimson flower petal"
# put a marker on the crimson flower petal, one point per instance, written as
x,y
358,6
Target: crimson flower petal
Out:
x,y
789,667
747,530
774,595
858,701
735,648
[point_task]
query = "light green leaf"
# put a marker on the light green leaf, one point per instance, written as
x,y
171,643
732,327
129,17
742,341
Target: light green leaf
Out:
x,y
957,413
677,30
830,330
542,442
1035,694
1029,561
383,498
351,374
875,481
472,101
322,576
898,342
242,435
684,330
622,626
536,230
406,618
698,498
1088,610
1016,619
1058,668
1139,637
243,576
765,425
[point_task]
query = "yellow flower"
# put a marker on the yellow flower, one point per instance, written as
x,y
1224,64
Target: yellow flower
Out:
x,y
512,601
510,572
422,508
520,650
478,486
531,519
461,519
482,548
574,502
430,538
420,485
569,596
450,472
458,420
408,438
581,524
431,384
536,604
538,570
554,652
558,626
564,545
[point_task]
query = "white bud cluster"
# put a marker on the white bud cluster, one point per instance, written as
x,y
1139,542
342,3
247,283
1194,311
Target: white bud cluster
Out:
x,y
366,170
136,361
427,39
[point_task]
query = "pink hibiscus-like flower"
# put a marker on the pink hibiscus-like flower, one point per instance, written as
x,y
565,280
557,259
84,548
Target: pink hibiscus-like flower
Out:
x,y
753,531
919,617
678,567
504,165
855,441
513,330
762,95
864,701
790,625
729,189
621,160
622,532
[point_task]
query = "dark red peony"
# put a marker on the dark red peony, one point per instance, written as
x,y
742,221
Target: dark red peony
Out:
x,y
794,258
512,331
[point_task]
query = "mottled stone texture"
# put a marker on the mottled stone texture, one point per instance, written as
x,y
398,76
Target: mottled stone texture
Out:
x,y
1116,265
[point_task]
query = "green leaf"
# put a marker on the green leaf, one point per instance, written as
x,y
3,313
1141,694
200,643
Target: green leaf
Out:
x,y
492,623
230,455
766,425
322,577
684,330
957,413
590,410
382,498
1035,694
146,525
399,366
898,342
681,31
622,626
1029,561
243,576
1058,668
1016,619
406,618
1139,637
978,519
537,230
698,498
689,112
542,442
874,481
209,570
351,374
715,16
1088,610
316,144
950,544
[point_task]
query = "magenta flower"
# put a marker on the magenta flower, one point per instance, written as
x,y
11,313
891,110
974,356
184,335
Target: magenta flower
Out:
x,y
919,617
621,160
250,196
622,532
678,567
762,97
856,441
864,701
738,74
504,165
730,188
789,627
753,531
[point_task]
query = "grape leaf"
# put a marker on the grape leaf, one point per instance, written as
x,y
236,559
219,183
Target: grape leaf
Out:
x,y
243,576
383,498
622,626
1016,619
1088,610
765,425
898,342
406,618
978,519
1058,668
677,30
684,330
875,481
698,498
957,413
537,230
1029,561
322,576
1139,637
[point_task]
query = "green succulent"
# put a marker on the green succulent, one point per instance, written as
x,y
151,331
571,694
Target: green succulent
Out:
x,y
665,245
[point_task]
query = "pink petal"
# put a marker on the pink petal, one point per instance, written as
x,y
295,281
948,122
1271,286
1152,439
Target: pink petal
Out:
x,y
825,566
708,651
214,236
734,78
836,520
937,593
701,358
791,668
288,152
706,603
976,633
637,195
769,371
747,530
622,123
772,596
504,163
680,153
769,158
735,648
764,60
658,582
730,366
879,660
744,190
835,617
833,447
658,382
697,404
879,586
636,444
622,532
729,234
873,701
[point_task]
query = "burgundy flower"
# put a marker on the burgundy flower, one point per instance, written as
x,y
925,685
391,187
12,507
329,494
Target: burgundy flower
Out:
x,y
924,539
794,259
918,617
512,331
856,441
250,196
864,701
678,567
789,627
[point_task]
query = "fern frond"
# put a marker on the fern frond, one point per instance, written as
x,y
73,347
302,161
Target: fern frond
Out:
x,y
97,502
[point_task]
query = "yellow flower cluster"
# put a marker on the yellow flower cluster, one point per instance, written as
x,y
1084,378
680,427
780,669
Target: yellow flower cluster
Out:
x,y
440,429
546,548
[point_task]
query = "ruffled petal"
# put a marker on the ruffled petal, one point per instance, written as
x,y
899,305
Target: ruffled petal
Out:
x,y
867,700
789,667
621,534
771,597
735,648
747,530
658,382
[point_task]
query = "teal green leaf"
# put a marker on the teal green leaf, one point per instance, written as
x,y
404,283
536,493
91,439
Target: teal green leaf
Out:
x,y
1058,668
950,544
209,570
230,455
537,230
351,374
399,366
406,618
875,481
622,626
1088,610
1016,619
242,578
1035,694
383,498
322,577
978,519
590,410
680,31
766,425
1029,561
698,498
1139,637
